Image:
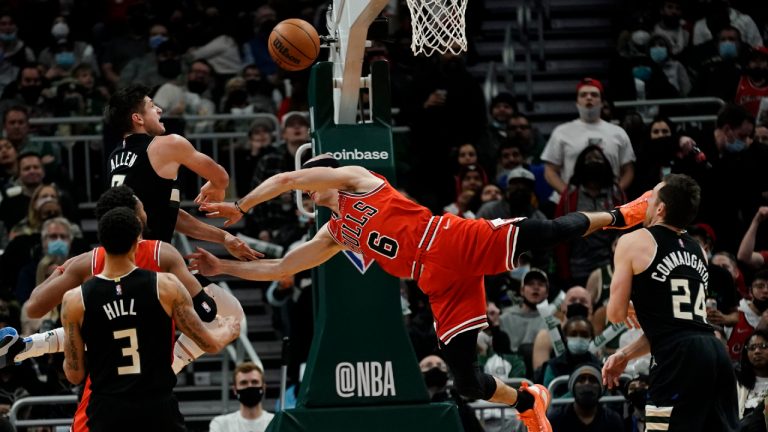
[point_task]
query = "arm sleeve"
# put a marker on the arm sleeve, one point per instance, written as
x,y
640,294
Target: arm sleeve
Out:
x,y
537,234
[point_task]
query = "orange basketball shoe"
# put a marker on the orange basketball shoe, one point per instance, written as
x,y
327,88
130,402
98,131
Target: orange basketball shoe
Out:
x,y
631,213
536,418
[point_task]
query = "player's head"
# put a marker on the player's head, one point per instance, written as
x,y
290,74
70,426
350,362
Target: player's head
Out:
x,y
120,196
119,231
325,197
130,109
674,201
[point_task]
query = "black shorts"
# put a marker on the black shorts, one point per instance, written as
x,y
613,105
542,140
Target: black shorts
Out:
x,y
693,386
107,414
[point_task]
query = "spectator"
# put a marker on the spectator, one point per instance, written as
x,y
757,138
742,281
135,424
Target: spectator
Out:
x,y
261,92
178,98
510,157
661,53
752,375
8,165
761,132
637,395
162,63
14,206
520,129
255,50
260,142
751,315
578,334
80,96
753,85
218,48
728,262
491,192
249,388
591,188
56,237
128,41
64,52
469,185
720,14
43,205
586,413
28,91
747,254
519,198
569,139
521,323
14,49
719,65
501,108
435,373
672,26
578,302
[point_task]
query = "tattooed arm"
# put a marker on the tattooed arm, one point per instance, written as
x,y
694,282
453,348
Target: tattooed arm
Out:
x,y
211,337
74,348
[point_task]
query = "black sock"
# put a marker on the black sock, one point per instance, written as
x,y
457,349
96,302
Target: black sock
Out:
x,y
618,218
525,401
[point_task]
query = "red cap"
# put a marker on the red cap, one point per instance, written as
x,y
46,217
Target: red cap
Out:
x,y
707,229
590,82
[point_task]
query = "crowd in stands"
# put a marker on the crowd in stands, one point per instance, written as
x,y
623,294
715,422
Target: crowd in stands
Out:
x,y
465,155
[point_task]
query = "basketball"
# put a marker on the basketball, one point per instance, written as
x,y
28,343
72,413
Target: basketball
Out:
x,y
294,44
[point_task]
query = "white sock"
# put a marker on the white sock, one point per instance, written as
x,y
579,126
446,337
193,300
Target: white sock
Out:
x,y
42,343
185,351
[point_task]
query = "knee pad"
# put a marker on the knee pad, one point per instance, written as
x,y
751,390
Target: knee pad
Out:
x,y
477,385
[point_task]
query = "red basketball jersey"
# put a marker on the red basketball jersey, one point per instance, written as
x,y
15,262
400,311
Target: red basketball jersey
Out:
x,y
749,96
147,256
381,224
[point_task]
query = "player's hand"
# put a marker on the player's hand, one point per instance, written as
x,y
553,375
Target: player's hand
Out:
x,y
204,262
222,210
613,368
715,317
240,249
631,321
209,193
762,214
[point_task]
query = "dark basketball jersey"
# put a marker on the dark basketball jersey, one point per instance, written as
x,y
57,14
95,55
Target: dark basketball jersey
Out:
x,y
670,295
128,335
129,165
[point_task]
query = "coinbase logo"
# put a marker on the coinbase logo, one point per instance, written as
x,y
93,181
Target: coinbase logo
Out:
x,y
356,154
365,379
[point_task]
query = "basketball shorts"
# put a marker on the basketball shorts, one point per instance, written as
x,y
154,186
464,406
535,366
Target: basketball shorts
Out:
x,y
109,414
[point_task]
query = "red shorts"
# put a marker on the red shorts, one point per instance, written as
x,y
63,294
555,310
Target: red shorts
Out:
x,y
457,253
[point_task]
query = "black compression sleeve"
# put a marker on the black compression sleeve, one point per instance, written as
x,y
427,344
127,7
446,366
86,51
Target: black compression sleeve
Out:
x,y
541,234
205,306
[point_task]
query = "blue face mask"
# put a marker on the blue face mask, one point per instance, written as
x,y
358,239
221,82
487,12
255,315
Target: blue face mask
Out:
x,y
58,247
728,50
659,54
643,73
156,40
65,59
8,37
736,146
577,345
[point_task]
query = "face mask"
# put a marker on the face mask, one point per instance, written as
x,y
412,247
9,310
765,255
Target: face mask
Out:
x,y
638,398
519,198
576,310
156,40
597,172
587,395
761,305
659,54
589,114
8,37
643,73
250,396
435,378
197,87
519,272
736,146
577,345
169,69
58,247
60,30
65,59
728,50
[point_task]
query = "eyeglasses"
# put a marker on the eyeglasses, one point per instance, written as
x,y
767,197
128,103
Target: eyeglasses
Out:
x,y
755,346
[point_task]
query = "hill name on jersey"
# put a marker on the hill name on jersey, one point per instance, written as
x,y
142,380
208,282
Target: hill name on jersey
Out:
x,y
116,308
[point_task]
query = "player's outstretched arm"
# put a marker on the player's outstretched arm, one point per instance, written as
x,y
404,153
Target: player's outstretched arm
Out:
x,y
72,310
49,294
192,227
178,304
310,254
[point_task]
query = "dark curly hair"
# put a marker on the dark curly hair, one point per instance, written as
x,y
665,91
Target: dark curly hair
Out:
x,y
118,196
119,229
746,372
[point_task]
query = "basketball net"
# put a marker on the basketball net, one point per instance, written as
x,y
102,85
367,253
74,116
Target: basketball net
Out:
x,y
437,25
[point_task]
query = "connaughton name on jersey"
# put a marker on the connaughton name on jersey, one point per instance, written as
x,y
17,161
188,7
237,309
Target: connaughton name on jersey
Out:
x,y
676,259
126,159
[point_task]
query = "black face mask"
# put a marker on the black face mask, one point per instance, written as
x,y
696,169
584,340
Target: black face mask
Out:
x,y
519,199
169,69
761,305
638,398
198,87
576,309
435,378
587,395
597,172
250,396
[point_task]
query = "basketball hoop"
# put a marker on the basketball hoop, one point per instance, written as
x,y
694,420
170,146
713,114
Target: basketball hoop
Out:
x,y
438,25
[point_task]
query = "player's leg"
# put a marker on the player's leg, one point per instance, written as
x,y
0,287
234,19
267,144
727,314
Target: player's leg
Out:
x,y
185,351
724,416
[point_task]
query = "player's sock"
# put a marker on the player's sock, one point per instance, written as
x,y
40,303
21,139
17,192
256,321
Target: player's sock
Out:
x,y
42,343
185,351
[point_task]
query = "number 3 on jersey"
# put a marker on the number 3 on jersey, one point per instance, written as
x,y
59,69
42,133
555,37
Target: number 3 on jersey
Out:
x,y
681,295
